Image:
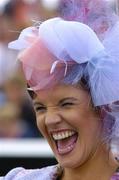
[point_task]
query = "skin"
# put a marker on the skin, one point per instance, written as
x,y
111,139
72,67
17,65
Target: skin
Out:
x,y
67,107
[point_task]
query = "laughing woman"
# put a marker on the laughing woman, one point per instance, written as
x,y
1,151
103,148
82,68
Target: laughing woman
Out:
x,y
74,85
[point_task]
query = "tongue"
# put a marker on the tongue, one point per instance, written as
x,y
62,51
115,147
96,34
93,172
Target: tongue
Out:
x,y
62,144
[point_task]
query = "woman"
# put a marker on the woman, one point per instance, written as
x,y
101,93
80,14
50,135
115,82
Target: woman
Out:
x,y
74,85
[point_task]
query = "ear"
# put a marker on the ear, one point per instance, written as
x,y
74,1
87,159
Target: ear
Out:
x,y
103,111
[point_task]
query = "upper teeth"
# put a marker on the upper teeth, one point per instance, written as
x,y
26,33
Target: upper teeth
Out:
x,y
62,135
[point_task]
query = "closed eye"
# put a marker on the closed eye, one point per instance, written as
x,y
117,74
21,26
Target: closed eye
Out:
x,y
40,109
67,104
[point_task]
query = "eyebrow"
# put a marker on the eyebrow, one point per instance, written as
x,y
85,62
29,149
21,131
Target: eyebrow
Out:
x,y
67,99
36,103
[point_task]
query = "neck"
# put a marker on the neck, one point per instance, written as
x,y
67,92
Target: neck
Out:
x,y
97,167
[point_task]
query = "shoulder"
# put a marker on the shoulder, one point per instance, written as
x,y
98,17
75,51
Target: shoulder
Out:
x,y
49,172
115,176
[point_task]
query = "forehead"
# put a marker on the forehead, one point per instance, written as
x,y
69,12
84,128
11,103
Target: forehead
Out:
x,y
62,91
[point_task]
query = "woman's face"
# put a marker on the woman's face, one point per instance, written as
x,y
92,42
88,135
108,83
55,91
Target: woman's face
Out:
x,y
68,121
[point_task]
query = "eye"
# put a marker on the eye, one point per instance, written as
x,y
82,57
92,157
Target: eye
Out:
x,y
40,109
67,104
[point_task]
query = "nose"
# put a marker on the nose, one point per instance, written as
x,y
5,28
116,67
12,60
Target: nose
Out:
x,y
52,117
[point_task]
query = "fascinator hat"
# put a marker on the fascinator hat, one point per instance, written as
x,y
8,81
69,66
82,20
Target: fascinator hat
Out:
x,y
66,51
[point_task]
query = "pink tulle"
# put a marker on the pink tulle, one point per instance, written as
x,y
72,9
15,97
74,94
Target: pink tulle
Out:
x,y
37,62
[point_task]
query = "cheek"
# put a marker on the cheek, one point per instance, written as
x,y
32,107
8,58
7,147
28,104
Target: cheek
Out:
x,y
87,122
41,126
78,116
91,133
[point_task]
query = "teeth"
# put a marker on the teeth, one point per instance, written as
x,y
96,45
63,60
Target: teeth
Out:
x,y
62,135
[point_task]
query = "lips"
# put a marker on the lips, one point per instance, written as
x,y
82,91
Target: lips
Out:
x,y
65,141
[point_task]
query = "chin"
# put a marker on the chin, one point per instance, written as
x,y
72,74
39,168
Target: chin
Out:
x,y
72,160
69,163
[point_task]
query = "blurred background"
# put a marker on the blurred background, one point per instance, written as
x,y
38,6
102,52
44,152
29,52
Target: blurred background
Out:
x,y
21,144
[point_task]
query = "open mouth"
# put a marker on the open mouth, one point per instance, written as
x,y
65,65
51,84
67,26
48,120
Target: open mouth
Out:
x,y
65,141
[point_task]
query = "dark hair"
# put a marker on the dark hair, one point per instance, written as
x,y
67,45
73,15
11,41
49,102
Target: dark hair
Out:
x,y
31,93
11,7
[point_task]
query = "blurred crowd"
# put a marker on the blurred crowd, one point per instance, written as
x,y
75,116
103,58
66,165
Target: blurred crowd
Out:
x,y
17,117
